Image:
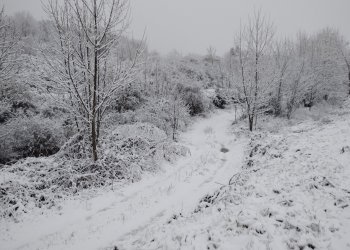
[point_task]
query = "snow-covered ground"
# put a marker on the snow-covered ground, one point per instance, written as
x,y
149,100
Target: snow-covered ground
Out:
x,y
286,187
292,192
123,214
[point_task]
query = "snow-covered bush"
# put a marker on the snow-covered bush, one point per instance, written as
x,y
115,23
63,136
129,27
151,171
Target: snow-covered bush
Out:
x,y
115,118
194,99
75,148
131,149
129,98
31,137
5,111
126,152
221,97
219,102
169,114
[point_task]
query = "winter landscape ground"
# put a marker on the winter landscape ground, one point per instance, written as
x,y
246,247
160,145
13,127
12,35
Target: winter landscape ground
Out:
x,y
291,191
285,187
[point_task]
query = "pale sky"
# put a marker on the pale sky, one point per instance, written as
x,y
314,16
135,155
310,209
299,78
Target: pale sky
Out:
x,y
191,26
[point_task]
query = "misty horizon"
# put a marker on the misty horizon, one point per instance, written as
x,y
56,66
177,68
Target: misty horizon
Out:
x,y
191,27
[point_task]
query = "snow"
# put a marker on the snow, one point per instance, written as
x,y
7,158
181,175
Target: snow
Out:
x,y
285,186
293,192
118,215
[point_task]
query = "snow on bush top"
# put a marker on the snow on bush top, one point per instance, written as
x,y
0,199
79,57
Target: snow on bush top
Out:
x,y
143,130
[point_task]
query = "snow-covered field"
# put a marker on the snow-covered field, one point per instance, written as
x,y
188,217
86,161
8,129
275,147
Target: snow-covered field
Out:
x,y
124,213
284,189
293,192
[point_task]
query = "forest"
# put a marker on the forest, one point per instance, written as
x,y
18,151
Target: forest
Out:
x,y
84,108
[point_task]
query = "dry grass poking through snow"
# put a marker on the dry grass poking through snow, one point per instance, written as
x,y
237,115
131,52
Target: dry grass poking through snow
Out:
x,y
293,192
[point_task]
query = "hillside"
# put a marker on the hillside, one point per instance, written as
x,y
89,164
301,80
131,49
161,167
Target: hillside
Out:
x,y
291,192
283,187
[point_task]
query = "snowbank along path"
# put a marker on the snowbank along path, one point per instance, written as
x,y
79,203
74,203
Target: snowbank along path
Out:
x,y
103,221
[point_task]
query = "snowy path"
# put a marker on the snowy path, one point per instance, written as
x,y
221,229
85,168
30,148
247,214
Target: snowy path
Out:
x,y
104,221
293,192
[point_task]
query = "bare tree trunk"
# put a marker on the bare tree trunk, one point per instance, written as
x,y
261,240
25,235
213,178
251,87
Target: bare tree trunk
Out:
x,y
94,138
279,98
256,121
235,113
251,122
174,123
94,101
349,80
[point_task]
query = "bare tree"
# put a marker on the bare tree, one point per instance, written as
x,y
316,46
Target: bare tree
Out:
x,y
25,24
216,69
178,112
8,47
295,87
300,74
211,55
282,53
344,51
327,65
346,57
83,63
253,42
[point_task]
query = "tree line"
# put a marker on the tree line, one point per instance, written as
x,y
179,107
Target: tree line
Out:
x,y
276,76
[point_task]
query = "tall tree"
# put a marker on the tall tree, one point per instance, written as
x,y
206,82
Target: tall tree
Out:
x,y
300,77
253,43
327,64
282,54
25,24
344,51
8,48
84,61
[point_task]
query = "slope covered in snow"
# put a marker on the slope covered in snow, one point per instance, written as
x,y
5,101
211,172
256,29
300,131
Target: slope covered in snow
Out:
x,y
292,192
284,187
122,214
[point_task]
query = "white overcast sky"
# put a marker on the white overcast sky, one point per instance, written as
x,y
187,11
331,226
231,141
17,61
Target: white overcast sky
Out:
x,y
194,25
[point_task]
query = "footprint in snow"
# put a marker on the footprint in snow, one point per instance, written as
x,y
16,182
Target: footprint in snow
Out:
x,y
224,150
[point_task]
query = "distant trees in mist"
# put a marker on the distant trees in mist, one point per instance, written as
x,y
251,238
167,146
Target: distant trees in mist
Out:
x,y
277,76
